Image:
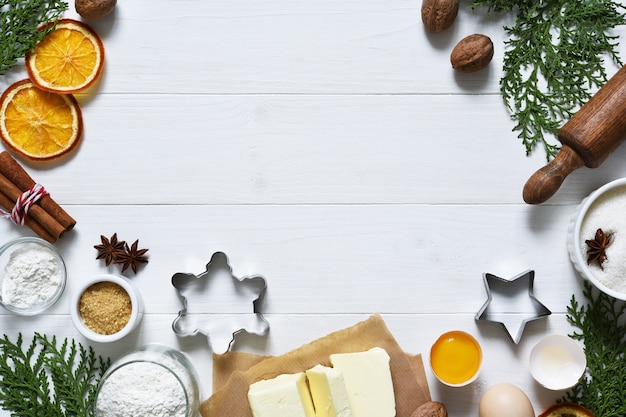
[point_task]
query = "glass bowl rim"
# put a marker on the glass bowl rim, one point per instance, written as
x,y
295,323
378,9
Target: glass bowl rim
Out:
x,y
38,308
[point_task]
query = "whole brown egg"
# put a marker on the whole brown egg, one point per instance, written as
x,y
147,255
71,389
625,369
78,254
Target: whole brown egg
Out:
x,y
505,400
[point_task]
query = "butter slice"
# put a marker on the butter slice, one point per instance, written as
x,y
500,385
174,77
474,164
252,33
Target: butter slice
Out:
x,y
286,395
368,382
329,392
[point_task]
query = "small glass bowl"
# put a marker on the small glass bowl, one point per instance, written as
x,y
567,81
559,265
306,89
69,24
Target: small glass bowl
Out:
x,y
595,202
135,315
133,377
31,304
557,362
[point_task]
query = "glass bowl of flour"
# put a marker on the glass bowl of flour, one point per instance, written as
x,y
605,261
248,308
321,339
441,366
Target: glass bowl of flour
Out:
x,y
605,267
32,275
150,381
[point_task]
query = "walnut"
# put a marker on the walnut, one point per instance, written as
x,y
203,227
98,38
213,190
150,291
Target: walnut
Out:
x,y
431,409
438,15
472,53
94,9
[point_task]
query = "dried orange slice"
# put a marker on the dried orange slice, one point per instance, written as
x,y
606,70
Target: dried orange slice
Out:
x,y
566,409
38,124
68,59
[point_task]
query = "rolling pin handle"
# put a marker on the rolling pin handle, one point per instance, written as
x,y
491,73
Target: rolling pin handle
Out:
x,y
544,183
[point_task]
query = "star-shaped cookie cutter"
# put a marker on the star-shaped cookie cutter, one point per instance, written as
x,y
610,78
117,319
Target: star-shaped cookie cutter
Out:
x,y
216,302
511,303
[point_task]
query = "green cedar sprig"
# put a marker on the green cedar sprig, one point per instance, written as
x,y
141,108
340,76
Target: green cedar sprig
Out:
x,y
601,326
554,61
20,21
47,379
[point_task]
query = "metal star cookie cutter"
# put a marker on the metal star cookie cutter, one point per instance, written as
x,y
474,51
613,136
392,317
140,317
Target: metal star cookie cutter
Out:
x,y
511,303
216,304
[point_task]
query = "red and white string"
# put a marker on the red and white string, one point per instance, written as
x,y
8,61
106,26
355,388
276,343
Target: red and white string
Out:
x,y
23,204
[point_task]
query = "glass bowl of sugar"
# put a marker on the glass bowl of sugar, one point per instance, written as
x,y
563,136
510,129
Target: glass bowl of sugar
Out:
x,y
597,239
152,380
32,275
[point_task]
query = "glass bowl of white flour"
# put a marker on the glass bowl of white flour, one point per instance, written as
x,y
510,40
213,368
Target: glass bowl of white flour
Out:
x,y
150,381
32,275
601,259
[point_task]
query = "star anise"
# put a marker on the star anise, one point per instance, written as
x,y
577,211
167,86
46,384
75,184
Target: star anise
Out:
x,y
131,257
109,249
596,247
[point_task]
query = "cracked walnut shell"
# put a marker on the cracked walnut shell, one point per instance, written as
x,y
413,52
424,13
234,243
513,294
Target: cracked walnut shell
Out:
x,y
472,53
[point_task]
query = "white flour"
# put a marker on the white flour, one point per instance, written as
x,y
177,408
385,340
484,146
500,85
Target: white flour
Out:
x,y
141,389
607,213
32,275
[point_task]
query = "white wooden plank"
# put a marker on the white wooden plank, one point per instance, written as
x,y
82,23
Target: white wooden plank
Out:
x,y
167,149
243,46
354,259
286,47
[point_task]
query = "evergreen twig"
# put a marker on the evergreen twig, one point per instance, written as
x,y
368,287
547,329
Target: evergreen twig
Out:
x,y
46,379
20,23
554,61
601,326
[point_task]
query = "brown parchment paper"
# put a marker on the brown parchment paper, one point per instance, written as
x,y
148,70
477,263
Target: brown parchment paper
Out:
x,y
233,372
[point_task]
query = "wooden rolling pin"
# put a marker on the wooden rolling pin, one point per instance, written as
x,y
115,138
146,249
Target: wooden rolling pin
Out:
x,y
588,138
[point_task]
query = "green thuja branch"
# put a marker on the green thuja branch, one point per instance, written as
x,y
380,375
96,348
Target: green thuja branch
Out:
x,y
601,326
554,61
47,379
20,23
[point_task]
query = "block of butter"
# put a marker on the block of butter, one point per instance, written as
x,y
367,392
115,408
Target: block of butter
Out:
x,y
286,395
328,389
368,382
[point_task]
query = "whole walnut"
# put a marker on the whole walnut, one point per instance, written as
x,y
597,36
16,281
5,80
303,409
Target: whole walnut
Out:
x,y
472,53
439,15
94,9
431,409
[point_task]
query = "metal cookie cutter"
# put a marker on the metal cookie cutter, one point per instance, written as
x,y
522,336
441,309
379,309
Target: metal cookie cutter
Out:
x,y
216,304
511,303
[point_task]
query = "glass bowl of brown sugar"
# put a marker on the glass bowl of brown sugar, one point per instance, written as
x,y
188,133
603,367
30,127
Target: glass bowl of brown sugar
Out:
x,y
106,308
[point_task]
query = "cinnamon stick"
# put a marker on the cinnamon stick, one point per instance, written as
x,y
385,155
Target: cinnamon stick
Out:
x,y
49,223
14,172
32,224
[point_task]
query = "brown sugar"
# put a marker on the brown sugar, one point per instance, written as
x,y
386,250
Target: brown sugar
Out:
x,y
105,307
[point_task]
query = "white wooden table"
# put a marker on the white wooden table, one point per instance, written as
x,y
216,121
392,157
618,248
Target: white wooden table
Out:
x,y
328,146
